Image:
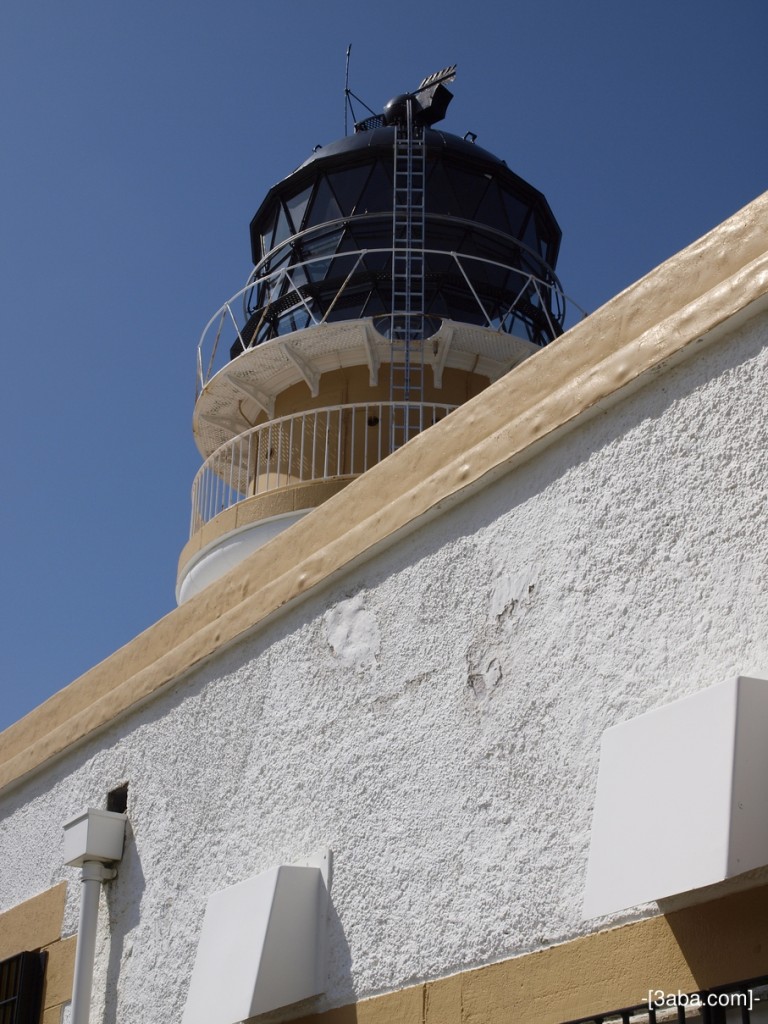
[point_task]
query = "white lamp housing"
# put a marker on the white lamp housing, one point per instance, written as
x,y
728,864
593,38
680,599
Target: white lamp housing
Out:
x,y
682,798
94,835
262,944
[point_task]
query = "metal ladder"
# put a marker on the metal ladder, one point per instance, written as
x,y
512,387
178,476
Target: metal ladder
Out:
x,y
406,374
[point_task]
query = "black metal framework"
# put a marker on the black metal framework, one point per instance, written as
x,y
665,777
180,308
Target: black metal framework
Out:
x,y
743,1002
339,205
21,988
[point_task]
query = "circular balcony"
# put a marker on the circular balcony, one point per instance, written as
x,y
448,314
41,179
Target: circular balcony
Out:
x,y
316,446
261,481
310,281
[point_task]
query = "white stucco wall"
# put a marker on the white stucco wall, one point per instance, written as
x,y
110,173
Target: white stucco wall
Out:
x,y
434,717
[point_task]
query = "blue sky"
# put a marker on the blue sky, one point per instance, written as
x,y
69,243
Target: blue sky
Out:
x,y
137,142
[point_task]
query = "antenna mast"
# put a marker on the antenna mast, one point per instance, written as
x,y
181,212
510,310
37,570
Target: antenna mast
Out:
x,y
348,95
346,90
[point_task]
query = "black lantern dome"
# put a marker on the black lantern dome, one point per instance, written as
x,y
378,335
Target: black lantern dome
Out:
x,y
490,240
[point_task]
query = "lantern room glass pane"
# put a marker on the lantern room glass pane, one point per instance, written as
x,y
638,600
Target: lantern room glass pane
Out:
x,y
440,197
516,210
376,196
322,243
530,237
446,235
372,233
283,229
297,207
324,205
348,185
491,209
266,234
469,189
277,260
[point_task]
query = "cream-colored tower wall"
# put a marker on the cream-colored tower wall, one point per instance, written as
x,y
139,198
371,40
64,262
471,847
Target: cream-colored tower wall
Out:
x,y
434,713
352,385
223,542
347,443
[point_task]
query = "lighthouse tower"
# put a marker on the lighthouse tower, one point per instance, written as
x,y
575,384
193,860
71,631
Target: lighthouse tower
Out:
x,y
397,272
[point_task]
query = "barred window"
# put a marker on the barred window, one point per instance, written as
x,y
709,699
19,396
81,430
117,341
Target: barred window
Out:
x,y
21,988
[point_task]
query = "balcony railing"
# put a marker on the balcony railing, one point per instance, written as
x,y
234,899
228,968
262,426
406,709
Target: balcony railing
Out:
x,y
331,286
317,444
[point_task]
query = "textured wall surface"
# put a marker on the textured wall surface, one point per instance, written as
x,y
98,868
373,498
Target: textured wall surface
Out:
x,y
434,716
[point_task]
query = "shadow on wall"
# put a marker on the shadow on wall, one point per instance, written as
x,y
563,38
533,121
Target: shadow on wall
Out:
x,y
723,941
123,896
339,981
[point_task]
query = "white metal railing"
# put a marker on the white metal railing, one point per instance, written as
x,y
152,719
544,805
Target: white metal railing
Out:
x,y
317,444
530,294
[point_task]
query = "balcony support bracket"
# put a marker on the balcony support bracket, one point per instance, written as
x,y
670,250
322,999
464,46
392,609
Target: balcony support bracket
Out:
x,y
372,355
441,356
309,372
265,402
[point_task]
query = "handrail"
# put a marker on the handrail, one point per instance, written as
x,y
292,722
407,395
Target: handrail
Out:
x,y
237,311
306,447
292,241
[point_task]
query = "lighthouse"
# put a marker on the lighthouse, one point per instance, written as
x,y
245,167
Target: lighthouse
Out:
x,y
386,766
397,272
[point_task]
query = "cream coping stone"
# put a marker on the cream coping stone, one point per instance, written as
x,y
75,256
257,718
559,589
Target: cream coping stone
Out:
x,y
722,277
